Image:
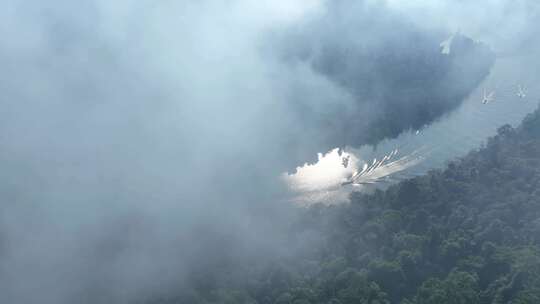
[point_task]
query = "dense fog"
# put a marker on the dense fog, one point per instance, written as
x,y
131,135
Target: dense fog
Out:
x,y
142,142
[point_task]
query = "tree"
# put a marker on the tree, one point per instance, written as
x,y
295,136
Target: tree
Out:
x,y
458,288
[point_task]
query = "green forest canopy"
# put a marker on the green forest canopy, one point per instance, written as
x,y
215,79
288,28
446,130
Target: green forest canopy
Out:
x,y
466,234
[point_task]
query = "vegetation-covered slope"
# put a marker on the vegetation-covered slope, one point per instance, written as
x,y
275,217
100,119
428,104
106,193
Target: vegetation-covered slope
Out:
x,y
391,74
466,234
394,71
404,83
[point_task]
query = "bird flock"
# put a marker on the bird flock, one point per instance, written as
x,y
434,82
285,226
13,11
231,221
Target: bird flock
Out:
x,y
490,96
382,170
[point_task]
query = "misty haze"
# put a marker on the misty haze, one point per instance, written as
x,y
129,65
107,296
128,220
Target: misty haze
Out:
x,y
270,152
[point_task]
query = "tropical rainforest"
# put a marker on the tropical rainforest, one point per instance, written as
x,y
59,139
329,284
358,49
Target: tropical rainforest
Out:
x,y
145,146
467,234
399,79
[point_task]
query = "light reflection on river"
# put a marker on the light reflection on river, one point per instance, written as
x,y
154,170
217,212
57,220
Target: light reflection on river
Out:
x,y
456,133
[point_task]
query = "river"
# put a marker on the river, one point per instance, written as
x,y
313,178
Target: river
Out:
x,y
451,136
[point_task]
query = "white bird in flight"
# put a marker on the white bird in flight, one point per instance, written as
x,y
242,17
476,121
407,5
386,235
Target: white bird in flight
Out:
x,y
488,97
521,93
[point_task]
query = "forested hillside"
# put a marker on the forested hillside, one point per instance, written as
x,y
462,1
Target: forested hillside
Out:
x,y
466,234
397,79
393,75
411,86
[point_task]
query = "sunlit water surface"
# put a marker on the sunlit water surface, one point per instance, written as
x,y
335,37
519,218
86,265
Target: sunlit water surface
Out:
x,y
452,136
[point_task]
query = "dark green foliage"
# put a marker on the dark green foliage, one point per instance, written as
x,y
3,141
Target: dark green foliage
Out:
x,y
457,288
397,79
411,85
468,234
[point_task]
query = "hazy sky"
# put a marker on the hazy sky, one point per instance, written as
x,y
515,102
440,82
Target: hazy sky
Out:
x,y
135,133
